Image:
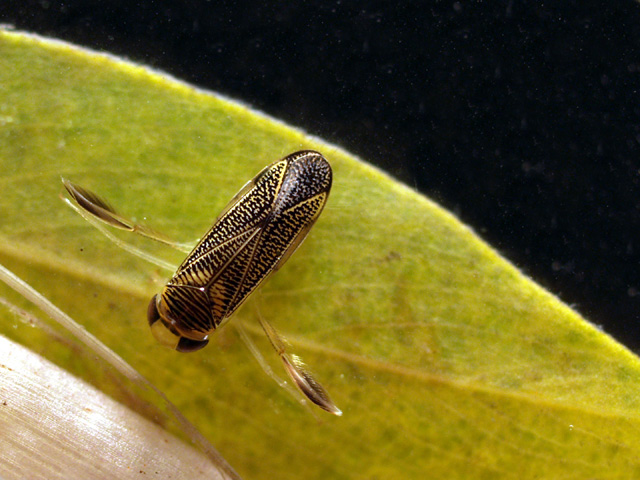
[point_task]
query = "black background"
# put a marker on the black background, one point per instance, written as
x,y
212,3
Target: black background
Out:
x,y
521,117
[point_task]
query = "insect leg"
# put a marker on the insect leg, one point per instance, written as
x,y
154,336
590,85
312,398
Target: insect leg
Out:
x,y
100,209
120,243
297,371
244,336
98,212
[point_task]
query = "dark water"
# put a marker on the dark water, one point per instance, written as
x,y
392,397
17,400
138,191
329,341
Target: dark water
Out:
x,y
524,120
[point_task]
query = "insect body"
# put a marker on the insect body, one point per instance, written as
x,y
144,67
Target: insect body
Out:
x,y
254,235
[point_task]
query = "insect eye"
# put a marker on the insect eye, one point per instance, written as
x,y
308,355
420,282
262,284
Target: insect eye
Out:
x,y
152,311
162,333
186,345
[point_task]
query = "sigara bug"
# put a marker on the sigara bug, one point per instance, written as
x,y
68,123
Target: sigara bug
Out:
x,y
255,234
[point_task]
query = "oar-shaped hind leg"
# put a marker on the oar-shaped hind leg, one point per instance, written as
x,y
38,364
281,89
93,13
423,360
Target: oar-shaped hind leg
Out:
x,y
99,212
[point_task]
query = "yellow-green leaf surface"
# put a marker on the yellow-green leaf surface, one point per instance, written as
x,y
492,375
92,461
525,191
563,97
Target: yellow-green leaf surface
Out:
x,y
447,362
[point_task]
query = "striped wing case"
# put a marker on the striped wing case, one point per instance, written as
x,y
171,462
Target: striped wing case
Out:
x,y
255,234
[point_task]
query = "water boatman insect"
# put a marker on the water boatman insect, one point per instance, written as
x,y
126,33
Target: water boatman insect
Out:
x,y
255,234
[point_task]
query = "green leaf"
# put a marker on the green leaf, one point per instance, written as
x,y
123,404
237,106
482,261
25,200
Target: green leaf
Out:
x,y
446,361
